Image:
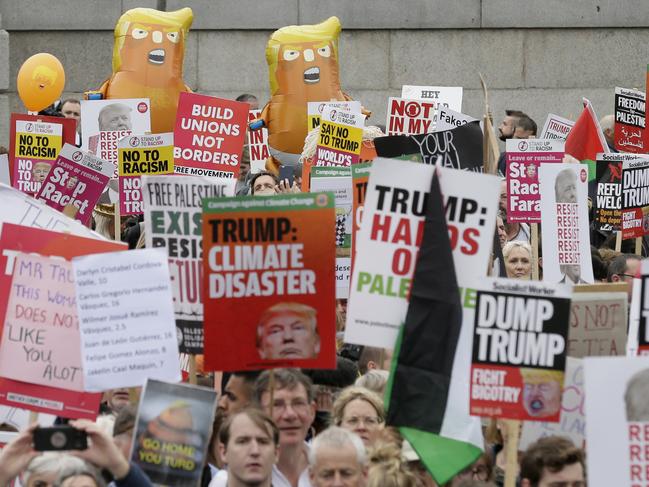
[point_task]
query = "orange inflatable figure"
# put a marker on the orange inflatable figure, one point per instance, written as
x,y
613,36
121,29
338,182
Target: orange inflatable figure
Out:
x,y
148,61
303,67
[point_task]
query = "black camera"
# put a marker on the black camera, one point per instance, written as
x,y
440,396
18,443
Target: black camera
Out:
x,y
62,437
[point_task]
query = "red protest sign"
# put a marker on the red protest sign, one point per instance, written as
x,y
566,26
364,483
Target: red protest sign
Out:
x,y
17,238
34,144
360,176
410,117
209,135
268,282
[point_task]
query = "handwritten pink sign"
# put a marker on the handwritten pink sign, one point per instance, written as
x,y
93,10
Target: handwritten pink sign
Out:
x,y
40,341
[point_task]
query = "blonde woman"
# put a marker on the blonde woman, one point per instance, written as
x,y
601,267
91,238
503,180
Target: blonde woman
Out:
x,y
359,410
518,259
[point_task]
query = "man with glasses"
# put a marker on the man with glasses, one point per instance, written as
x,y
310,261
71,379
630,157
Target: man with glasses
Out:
x,y
624,268
292,406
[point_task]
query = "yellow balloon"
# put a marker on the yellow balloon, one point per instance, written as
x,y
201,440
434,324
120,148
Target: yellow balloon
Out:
x,y
40,81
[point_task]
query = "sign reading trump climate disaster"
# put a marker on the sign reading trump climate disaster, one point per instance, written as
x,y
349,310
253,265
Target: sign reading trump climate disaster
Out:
x,y
139,156
268,270
209,135
519,349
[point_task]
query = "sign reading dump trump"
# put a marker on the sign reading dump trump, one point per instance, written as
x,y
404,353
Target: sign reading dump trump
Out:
x,y
269,284
519,349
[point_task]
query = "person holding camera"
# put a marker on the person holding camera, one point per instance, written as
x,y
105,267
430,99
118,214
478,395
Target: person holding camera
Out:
x,y
92,443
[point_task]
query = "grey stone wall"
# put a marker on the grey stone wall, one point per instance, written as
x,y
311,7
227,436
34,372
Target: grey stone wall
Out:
x,y
539,55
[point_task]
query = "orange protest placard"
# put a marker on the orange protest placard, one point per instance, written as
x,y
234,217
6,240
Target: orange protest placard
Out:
x,y
268,281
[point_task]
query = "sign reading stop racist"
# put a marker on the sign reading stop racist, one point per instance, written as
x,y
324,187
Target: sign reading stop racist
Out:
x,y
137,156
209,135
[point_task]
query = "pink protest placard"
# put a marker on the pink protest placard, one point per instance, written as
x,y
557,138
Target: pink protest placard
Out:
x,y
524,156
75,183
209,135
40,342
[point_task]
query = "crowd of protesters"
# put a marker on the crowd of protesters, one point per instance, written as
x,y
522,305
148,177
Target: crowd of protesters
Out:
x,y
319,428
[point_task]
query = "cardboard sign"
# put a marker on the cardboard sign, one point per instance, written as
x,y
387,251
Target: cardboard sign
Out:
x,y
616,430
209,135
459,148
360,177
390,234
598,323
607,203
340,138
524,157
268,270
13,240
40,340
635,197
138,156
34,144
572,420
410,117
446,96
172,432
257,144
20,209
566,242
448,119
315,108
105,122
629,120
126,319
173,220
556,127
519,349
75,183
338,180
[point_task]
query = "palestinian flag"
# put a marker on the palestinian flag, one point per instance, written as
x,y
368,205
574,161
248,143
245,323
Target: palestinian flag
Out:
x,y
428,391
586,139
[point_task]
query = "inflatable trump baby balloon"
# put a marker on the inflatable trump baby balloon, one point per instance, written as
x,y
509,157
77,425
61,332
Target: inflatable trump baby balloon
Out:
x,y
303,67
148,61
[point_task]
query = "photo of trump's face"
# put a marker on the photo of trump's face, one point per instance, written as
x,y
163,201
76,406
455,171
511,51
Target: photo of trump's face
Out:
x,y
288,331
541,392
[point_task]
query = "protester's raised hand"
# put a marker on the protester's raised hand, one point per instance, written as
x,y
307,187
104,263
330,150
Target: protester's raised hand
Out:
x,y
285,187
15,457
102,450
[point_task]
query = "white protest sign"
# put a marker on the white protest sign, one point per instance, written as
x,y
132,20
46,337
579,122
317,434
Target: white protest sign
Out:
x,y
564,218
556,127
390,233
21,209
448,119
617,427
572,423
316,108
126,319
446,96
410,117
